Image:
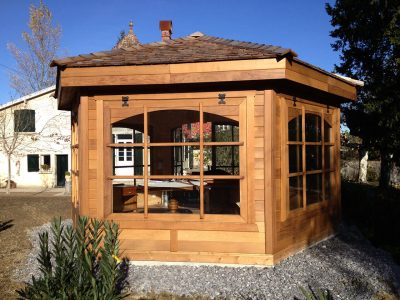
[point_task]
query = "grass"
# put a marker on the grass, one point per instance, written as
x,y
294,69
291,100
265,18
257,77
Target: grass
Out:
x,y
376,212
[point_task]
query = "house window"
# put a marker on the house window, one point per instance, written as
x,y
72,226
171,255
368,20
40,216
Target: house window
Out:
x,y
192,162
24,120
33,162
310,154
45,162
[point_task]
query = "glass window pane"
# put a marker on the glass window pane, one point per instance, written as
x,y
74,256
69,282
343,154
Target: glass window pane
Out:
x,y
294,125
314,188
313,127
313,158
328,133
172,196
329,159
221,160
329,179
167,126
128,161
295,158
222,196
295,192
125,195
33,162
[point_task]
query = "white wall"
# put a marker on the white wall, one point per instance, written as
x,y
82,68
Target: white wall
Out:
x,y
52,136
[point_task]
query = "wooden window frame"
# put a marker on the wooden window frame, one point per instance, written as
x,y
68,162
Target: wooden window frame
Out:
x,y
321,110
199,104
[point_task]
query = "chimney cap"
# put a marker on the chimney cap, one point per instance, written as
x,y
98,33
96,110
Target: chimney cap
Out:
x,y
166,25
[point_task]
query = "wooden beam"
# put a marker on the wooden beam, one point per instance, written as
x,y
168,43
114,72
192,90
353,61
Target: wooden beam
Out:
x,y
269,194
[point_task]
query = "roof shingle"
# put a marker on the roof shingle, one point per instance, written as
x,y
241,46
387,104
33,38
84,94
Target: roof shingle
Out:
x,y
196,47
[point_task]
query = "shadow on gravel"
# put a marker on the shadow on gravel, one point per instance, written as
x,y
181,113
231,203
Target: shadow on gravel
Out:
x,y
6,225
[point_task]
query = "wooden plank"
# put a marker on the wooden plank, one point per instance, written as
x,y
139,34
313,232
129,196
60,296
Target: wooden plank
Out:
x,y
83,156
202,257
227,76
115,70
249,155
226,247
201,161
220,236
146,161
269,195
100,158
174,240
236,65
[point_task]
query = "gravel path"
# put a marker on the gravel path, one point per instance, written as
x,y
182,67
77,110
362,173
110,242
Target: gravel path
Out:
x,y
347,265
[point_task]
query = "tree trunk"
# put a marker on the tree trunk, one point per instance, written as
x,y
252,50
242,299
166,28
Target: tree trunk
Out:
x,y
387,165
9,174
363,168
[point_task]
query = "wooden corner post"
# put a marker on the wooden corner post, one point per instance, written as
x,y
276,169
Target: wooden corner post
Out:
x,y
269,196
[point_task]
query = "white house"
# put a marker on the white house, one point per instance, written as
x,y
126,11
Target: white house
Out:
x,y
39,135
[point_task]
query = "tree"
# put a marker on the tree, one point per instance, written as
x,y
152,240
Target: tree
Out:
x,y
367,35
33,65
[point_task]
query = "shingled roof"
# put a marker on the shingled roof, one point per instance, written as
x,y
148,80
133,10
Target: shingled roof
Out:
x,y
196,47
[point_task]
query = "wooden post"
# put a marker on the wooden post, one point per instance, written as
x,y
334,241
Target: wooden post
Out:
x,y
146,163
269,195
83,156
201,161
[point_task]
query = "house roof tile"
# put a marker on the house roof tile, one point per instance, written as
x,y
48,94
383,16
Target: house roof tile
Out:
x,y
196,47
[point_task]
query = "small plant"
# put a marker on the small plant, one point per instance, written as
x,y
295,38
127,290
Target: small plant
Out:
x,y
67,173
79,263
45,167
309,294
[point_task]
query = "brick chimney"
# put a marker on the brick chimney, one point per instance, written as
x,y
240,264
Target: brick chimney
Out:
x,y
166,30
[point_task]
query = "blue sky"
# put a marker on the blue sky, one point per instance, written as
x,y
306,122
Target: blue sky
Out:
x,y
90,26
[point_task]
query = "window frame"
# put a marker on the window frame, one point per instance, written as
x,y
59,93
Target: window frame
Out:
x,y
27,127
33,170
202,106
322,111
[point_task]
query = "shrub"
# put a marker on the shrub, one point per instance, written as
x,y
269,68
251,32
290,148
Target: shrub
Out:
x,y
79,263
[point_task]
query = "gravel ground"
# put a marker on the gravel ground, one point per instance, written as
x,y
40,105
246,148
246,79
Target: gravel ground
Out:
x,y
347,265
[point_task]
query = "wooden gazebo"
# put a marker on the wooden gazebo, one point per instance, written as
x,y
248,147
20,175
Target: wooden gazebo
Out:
x,y
205,149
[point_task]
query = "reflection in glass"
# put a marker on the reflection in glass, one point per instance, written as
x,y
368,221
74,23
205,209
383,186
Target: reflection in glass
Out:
x,y
328,185
295,158
314,188
328,157
313,158
313,127
127,160
222,196
167,126
221,160
173,196
295,192
294,128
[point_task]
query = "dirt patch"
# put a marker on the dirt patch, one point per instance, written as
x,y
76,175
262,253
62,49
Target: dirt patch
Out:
x,y
19,213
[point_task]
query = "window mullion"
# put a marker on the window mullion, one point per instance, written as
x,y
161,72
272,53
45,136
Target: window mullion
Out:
x,y
201,162
145,171
323,152
303,138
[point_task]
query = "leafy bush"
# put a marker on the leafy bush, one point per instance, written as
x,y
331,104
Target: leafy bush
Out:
x,y
79,263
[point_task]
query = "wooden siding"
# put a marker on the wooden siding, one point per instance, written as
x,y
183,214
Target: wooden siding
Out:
x,y
216,238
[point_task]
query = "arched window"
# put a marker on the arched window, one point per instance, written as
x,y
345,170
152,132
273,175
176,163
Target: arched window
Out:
x,y
190,161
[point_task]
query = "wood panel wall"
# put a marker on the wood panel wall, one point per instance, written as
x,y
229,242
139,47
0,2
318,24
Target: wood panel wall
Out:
x,y
231,240
308,225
